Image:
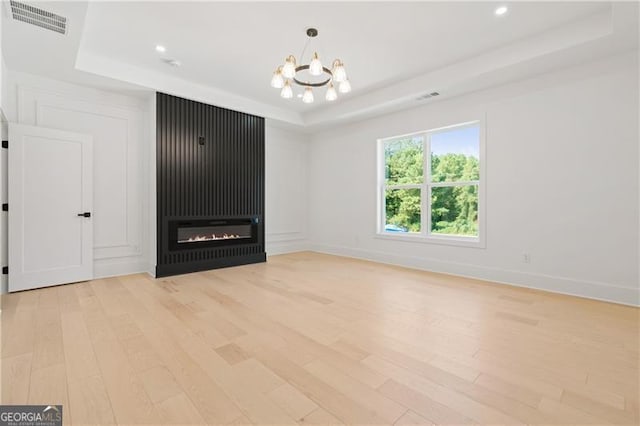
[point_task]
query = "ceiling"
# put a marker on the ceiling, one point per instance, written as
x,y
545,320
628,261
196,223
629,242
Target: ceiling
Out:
x,y
393,51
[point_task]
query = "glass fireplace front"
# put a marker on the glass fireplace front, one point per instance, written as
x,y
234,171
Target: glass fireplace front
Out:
x,y
190,234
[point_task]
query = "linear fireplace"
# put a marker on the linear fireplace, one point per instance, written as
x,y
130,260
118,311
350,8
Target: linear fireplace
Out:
x,y
200,233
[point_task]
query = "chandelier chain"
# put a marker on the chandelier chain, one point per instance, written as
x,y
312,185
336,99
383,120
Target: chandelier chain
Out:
x,y
304,49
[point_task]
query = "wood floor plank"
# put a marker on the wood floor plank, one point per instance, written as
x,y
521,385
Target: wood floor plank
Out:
x,y
210,400
242,420
352,351
412,418
327,397
518,318
253,403
225,327
564,413
292,401
256,375
48,348
178,409
445,394
357,391
598,408
451,366
49,387
504,403
80,358
519,393
18,332
232,353
89,402
16,376
129,400
159,384
140,353
319,416
430,409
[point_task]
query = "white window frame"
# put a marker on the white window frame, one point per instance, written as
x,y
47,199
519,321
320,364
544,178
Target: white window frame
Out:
x,y
425,235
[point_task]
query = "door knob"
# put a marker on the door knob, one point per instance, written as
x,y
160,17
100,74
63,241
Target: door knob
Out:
x,y
85,214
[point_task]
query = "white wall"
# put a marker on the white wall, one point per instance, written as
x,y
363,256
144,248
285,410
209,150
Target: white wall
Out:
x,y
561,183
286,216
4,100
120,129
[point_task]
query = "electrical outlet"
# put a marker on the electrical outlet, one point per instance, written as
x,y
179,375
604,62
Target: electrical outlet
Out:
x,y
526,258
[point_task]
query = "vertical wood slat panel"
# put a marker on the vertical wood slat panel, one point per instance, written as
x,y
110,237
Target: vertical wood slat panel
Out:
x,y
222,179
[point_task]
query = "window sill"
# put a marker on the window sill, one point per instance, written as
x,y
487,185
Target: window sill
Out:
x,y
432,239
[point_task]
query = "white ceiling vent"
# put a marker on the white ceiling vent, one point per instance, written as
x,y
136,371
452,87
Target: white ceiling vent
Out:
x,y
427,96
40,17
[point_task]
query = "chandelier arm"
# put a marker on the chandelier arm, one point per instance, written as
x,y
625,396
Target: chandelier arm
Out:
x,y
307,84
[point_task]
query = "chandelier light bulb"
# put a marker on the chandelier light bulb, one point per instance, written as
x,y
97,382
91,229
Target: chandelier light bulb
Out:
x,y
287,91
339,73
277,80
345,87
315,67
331,95
289,68
307,98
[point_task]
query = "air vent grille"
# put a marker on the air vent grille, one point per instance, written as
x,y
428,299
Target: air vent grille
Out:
x,y
39,17
427,96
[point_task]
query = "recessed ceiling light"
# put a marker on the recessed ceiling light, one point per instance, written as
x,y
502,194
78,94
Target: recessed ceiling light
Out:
x,y
160,48
501,10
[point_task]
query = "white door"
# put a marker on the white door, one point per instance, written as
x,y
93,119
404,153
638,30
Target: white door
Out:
x,y
50,201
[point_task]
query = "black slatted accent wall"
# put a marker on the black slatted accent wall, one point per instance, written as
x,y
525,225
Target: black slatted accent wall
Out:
x,y
210,164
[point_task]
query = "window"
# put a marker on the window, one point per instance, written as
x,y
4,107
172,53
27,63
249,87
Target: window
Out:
x,y
430,185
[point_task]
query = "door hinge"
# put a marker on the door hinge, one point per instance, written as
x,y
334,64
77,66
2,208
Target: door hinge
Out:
x,y
5,144
5,270
5,207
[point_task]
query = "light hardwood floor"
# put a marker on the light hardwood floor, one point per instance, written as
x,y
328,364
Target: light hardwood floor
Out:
x,y
315,339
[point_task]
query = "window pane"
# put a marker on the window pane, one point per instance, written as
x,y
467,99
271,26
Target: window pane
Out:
x,y
403,161
455,155
454,210
402,210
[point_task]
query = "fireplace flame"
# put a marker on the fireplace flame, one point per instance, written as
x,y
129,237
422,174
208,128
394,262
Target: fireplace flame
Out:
x,y
211,237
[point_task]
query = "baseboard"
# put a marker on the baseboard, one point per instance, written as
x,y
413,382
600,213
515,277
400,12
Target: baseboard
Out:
x,y
151,270
283,247
586,289
102,269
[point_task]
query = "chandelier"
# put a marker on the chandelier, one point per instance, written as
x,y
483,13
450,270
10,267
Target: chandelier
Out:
x,y
310,76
